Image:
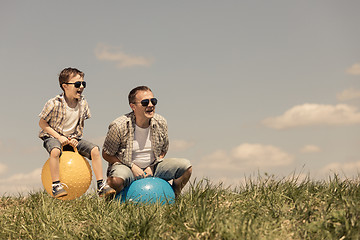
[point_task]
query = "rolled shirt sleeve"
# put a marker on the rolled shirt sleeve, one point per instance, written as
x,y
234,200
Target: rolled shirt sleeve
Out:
x,y
112,141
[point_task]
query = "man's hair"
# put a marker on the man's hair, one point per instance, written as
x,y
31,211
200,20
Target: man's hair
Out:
x,y
133,92
68,73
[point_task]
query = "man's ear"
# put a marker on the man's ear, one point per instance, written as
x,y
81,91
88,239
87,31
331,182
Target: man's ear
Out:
x,y
132,106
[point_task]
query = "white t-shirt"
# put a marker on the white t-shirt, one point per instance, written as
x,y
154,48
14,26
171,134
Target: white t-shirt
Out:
x,y
71,120
142,154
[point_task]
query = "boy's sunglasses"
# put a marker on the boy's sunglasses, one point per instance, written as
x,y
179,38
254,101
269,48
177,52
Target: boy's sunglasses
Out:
x,y
146,102
78,84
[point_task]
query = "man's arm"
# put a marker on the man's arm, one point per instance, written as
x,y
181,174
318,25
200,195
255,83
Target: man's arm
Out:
x,y
109,159
162,155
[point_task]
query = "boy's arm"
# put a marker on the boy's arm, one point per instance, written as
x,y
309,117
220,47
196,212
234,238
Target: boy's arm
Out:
x,y
45,126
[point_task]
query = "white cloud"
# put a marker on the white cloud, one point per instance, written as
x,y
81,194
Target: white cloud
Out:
x,y
3,168
261,155
21,183
348,169
348,94
180,145
105,52
354,69
245,157
310,149
315,114
219,160
233,167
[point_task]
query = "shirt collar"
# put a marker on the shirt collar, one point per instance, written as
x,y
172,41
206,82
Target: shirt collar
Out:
x,y
132,117
62,98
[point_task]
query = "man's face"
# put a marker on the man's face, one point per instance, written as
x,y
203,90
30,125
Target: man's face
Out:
x,y
70,90
143,112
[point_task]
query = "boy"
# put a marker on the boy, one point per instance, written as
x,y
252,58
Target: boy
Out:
x,y
62,123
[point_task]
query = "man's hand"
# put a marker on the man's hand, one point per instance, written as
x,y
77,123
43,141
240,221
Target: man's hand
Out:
x,y
137,171
149,172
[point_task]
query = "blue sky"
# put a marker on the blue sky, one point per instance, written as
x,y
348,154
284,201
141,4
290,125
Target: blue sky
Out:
x,y
247,87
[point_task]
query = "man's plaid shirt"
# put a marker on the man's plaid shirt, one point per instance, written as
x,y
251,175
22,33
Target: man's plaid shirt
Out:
x,y
120,137
54,114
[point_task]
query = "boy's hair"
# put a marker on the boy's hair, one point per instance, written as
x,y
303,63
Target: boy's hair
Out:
x,y
133,92
68,73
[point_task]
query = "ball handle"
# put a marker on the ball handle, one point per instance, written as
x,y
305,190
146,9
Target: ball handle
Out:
x,y
74,148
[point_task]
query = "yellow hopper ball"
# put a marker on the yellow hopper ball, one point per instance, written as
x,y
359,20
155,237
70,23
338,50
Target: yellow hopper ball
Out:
x,y
75,172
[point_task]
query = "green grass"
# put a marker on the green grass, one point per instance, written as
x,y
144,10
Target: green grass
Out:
x,y
264,208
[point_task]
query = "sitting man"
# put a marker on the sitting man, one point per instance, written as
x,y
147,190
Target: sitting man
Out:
x,y
136,144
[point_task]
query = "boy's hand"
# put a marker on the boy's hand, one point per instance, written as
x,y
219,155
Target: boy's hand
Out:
x,y
73,142
63,140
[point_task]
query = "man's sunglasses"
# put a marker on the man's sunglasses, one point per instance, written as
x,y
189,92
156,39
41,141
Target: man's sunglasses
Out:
x,y
78,84
146,102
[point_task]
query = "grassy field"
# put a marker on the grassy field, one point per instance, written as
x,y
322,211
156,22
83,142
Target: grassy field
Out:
x,y
263,208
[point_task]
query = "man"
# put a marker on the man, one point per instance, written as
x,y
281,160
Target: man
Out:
x,y
136,144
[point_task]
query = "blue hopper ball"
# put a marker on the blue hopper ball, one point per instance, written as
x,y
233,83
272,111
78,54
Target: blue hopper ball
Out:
x,y
148,190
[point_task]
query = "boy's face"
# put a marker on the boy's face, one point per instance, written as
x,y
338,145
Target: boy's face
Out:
x,y
70,90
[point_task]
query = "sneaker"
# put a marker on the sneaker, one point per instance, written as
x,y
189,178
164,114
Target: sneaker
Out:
x,y
105,190
58,190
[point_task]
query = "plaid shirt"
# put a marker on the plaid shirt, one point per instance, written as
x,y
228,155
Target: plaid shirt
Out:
x,y
120,137
54,114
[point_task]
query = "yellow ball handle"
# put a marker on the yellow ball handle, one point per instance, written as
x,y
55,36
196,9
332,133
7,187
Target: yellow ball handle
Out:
x,y
74,148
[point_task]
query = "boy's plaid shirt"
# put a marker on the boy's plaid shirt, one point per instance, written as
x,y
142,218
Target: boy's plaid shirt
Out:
x,y
120,137
54,114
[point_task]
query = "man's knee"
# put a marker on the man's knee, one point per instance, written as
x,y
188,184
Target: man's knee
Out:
x,y
116,183
185,167
184,163
186,174
189,170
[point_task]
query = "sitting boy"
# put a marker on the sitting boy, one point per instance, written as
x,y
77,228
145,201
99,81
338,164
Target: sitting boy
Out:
x,y
62,123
